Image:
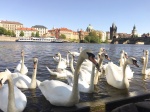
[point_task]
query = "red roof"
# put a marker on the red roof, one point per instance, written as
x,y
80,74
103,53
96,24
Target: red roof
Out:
x,y
26,29
10,22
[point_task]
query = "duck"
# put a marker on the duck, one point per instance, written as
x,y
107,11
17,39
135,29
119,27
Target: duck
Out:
x,y
23,81
145,71
116,78
59,93
21,67
11,98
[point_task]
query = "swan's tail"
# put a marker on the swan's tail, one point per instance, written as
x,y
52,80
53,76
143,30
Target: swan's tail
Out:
x,y
8,71
38,82
50,71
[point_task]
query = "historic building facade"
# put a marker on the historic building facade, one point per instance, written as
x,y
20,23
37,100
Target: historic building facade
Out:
x,y
41,29
10,25
27,32
56,32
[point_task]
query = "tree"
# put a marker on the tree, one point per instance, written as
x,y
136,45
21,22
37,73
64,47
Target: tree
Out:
x,y
62,36
3,31
92,37
13,34
32,35
37,34
21,33
9,33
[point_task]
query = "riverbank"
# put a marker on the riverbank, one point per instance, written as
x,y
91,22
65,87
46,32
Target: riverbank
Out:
x,y
12,39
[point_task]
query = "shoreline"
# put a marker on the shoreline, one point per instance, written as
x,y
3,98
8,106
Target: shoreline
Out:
x,y
9,39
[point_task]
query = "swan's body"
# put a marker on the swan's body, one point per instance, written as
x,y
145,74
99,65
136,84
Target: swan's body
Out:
x,y
61,73
76,53
61,64
23,81
145,71
11,98
116,77
21,67
61,94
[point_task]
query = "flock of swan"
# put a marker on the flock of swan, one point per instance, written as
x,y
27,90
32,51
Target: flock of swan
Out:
x,y
81,78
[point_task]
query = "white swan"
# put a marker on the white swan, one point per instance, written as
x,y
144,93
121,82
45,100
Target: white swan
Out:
x,y
59,93
82,84
21,67
76,53
11,98
60,73
61,64
66,60
123,58
23,81
116,78
145,71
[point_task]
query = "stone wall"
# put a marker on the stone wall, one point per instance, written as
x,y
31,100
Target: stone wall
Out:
x,y
3,38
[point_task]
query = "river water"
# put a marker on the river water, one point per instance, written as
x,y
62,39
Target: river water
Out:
x,y
10,55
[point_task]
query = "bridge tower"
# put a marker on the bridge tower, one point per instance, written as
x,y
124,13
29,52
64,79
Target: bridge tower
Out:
x,y
113,31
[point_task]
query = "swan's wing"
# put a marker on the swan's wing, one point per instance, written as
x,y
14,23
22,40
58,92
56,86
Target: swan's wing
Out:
x,y
22,81
57,92
148,71
20,99
129,72
18,67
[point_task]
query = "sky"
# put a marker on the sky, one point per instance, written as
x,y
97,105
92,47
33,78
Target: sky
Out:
x,y
78,14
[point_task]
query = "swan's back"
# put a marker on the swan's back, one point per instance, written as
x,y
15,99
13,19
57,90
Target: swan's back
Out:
x,y
113,74
56,92
20,99
18,68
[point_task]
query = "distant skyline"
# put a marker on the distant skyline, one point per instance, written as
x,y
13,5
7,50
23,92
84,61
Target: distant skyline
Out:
x,y
78,14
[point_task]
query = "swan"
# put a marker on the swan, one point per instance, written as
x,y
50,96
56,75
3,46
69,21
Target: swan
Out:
x,y
21,67
11,98
76,53
118,79
61,94
61,64
123,57
60,73
56,59
145,71
23,81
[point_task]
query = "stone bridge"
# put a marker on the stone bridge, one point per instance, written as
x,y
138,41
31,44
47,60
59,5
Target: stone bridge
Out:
x,y
131,40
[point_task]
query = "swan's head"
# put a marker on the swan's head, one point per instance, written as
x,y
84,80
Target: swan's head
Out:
x,y
132,60
125,55
87,54
35,61
146,52
142,60
102,50
22,53
58,54
3,77
103,56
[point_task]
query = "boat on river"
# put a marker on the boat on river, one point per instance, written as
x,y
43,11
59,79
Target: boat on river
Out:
x,y
36,39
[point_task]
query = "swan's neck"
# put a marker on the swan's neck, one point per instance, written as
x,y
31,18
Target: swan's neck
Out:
x,y
121,60
75,93
22,65
11,97
71,65
145,65
33,80
97,72
91,88
125,79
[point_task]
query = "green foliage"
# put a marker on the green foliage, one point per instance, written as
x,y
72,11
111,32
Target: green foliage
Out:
x,y
92,38
3,31
9,33
62,36
32,35
37,34
21,34
13,34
